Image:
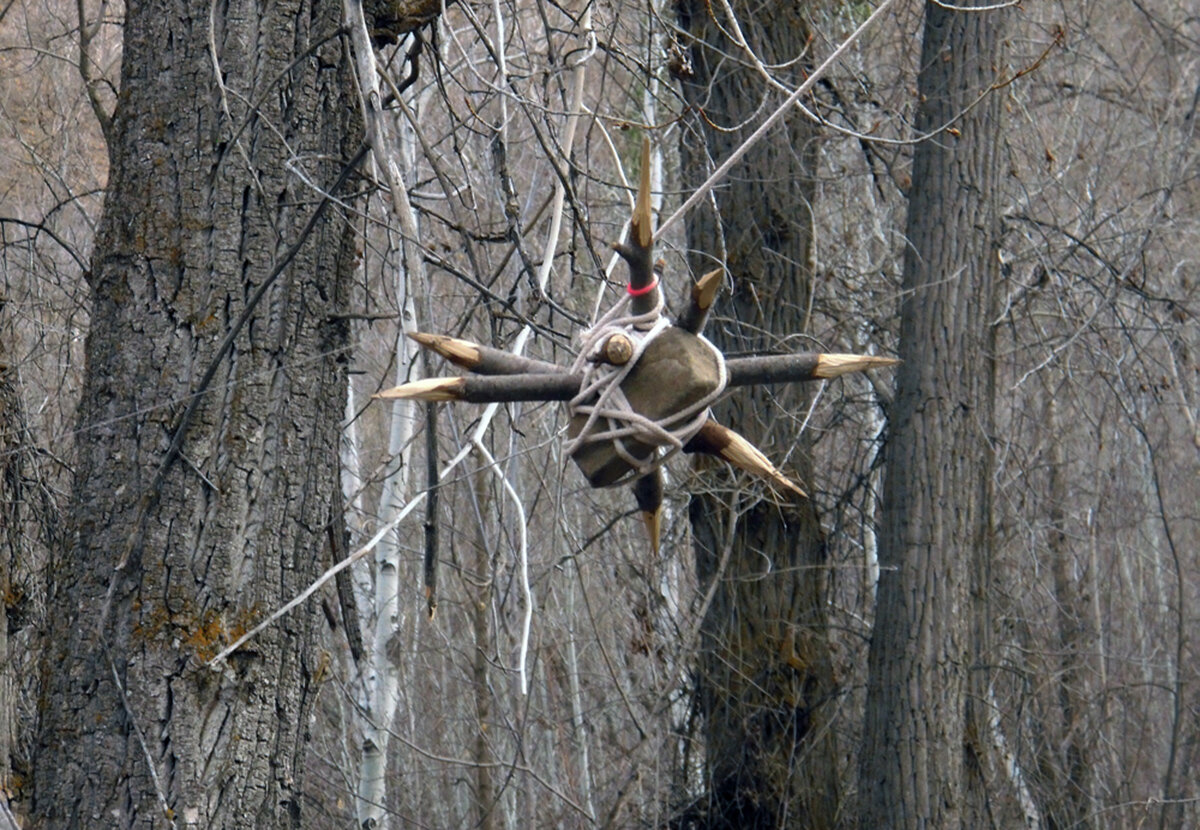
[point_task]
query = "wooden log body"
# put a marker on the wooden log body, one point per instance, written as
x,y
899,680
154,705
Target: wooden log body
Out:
x,y
675,371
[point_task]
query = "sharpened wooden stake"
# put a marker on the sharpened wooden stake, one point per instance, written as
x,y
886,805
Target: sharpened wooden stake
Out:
x,y
483,360
427,389
485,389
652,519
460,352
803,366
714,439
648,490
560,386
703,295
642,222
836,365
638,252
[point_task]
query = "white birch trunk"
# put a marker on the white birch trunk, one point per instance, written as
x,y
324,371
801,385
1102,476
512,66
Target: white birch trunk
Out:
x,y
382,681
383,676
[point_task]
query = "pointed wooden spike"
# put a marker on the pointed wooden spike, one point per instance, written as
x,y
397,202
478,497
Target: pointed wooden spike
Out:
x,y
653,522
642,229
741,453
704,292
836,365
801,366
459,352
428,389
714,439
648,490
482,360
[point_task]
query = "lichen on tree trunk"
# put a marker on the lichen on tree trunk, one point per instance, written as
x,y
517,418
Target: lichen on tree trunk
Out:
x,y
162,568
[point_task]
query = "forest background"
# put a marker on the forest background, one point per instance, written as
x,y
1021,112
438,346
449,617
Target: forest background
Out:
x,y
206,277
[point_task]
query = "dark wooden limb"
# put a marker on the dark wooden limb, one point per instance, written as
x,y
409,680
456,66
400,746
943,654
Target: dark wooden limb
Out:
x,y
483,360
638,252
648,491
742,371
704,293
804,366
724,443
489,389
431,509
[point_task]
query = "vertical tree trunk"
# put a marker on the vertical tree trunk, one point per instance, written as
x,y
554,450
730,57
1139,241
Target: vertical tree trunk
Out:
x,y
11,544
167,561
935,527
764,680
487,814
1074,805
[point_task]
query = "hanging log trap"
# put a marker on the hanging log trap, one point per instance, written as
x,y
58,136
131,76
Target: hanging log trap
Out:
x,y
642,387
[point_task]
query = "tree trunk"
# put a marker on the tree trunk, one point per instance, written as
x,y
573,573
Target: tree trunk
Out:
x,y
171,554
764,681
1073,803
12,544
936,511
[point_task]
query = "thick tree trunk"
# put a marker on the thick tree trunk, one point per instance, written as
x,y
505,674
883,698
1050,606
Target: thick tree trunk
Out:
x,y
169,558
764,680
935,527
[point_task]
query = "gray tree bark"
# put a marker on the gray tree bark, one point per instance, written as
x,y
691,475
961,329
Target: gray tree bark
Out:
x,y
935,532
765,683
173,553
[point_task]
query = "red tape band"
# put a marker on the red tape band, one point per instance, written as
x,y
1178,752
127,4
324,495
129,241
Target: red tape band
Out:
x,y
638,292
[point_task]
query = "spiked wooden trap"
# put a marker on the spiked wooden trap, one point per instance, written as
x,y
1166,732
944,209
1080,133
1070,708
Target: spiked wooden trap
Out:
x,y
641,387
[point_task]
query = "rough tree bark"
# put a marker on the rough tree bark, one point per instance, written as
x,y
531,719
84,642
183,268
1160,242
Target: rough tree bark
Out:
x,y
936,514
765,684
172,553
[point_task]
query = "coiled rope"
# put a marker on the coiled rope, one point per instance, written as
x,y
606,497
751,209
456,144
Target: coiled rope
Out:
x,y
610,417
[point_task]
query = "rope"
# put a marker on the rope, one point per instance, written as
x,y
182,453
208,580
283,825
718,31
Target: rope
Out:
x,y
610,416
